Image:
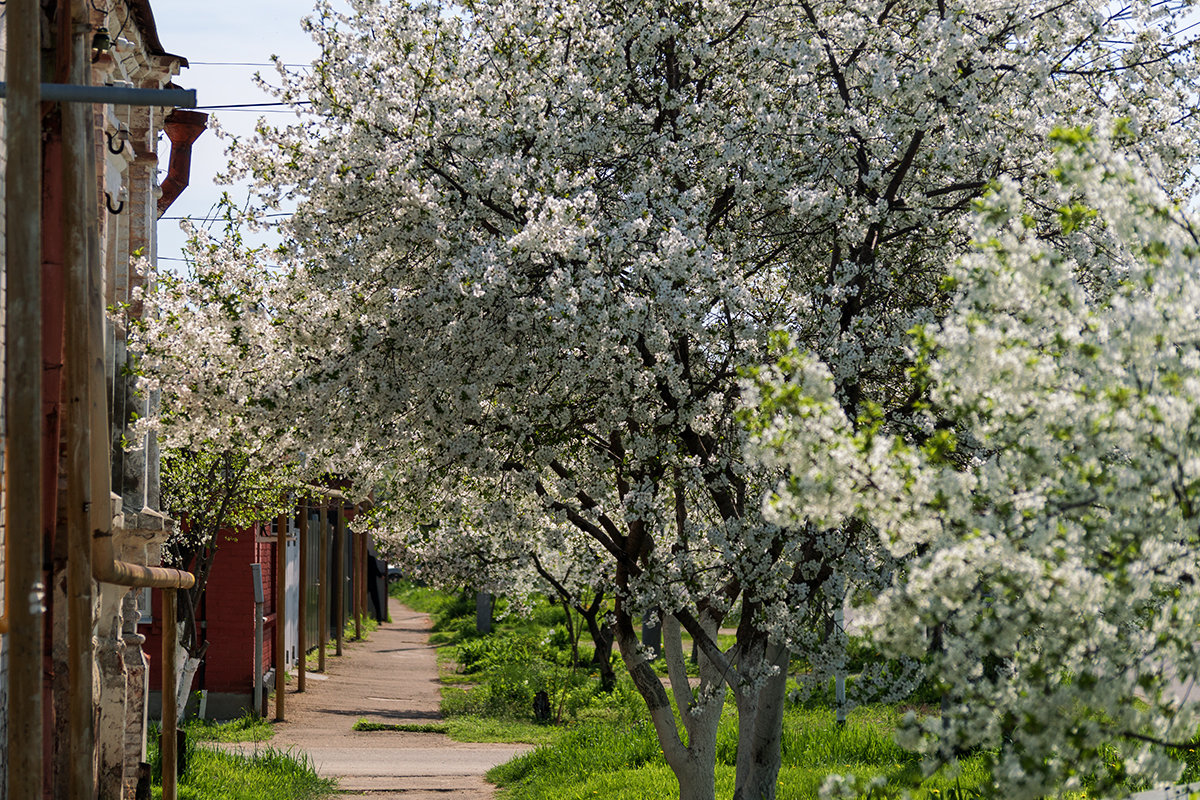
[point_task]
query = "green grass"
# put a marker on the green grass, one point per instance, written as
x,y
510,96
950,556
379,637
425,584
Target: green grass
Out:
x,y
473,729
369,626
600,759
270,774
363,724
651,781
418,598
246,728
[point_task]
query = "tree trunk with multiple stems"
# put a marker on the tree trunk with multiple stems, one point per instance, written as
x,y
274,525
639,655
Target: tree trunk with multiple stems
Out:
x,y
693,762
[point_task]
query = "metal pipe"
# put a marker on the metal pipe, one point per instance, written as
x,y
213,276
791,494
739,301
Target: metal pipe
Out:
x,y
259,602
323,588
280,614
339,571
23,401
106,568
170,719
182,128
119,95
302,616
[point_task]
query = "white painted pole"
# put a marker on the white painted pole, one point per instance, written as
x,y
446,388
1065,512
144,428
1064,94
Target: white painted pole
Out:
x,y
839,680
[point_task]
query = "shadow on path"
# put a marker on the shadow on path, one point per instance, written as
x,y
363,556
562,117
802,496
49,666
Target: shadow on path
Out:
x,y
391,678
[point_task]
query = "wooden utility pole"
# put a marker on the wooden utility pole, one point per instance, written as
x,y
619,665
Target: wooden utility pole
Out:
x,y
24,588
170,720
302,616
280,614
79,214
323,588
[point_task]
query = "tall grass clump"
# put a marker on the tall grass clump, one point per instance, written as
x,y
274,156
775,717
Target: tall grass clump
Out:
x,y
246,728
589,749
270,774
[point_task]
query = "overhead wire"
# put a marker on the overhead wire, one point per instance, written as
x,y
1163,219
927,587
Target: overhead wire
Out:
x,y
246,64
206,219
234,106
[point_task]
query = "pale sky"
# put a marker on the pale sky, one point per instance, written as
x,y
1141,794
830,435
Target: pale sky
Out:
x,y
218,38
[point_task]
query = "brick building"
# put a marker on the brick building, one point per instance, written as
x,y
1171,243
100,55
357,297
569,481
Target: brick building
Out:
x,y
93,237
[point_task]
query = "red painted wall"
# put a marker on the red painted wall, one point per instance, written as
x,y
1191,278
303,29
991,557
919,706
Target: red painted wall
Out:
x,y
228,612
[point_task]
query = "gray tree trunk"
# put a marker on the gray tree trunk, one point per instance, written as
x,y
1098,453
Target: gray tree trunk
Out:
x,y
186,669
760,721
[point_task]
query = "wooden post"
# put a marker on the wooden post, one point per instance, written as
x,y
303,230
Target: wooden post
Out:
x,y
24,588
302,616
78,183
356,584
323,588
365,575
280,614
170,719
339,572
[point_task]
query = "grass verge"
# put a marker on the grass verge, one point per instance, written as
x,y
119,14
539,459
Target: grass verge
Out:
x,y
246,728
363,724
624,762
270,774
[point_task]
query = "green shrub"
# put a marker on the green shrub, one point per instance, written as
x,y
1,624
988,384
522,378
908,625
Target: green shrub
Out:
x,y
497,651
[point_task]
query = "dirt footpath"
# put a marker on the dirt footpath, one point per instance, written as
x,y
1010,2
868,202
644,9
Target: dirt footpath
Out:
x,y
390,678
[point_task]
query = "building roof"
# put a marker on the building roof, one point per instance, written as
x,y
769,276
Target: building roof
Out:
x,y
145,22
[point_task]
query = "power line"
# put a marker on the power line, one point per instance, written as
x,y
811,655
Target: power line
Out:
x,y
256,110
279,214
246,64
235,106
